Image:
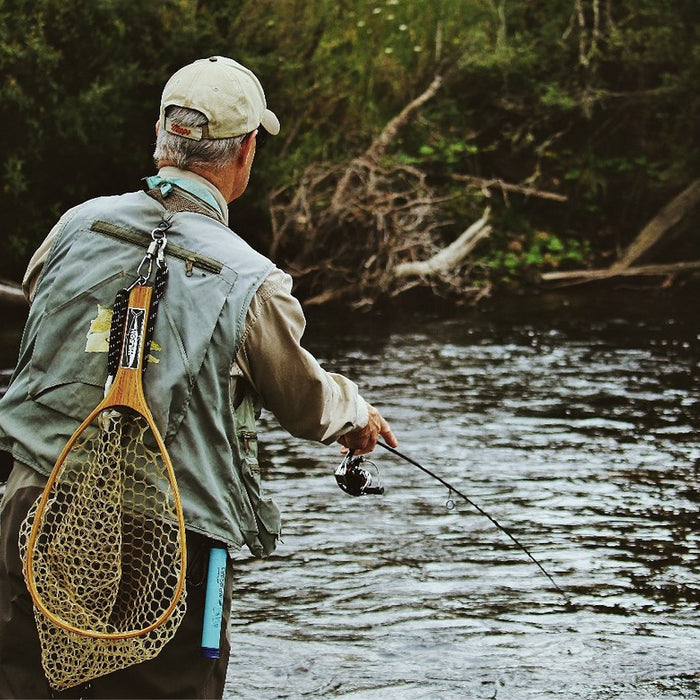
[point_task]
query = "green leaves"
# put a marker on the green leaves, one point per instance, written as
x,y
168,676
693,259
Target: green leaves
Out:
x,y
537,252
596,101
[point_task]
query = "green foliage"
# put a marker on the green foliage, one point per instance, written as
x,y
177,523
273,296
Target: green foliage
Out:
x,y
524,257
78,95
601,106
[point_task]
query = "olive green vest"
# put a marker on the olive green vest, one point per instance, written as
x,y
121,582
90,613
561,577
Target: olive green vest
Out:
x,y
61,371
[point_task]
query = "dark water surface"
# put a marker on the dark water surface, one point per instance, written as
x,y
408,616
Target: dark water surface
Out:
x,y
574,421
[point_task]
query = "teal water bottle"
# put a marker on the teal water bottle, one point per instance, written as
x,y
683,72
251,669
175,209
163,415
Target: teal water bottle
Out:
x,y
214,602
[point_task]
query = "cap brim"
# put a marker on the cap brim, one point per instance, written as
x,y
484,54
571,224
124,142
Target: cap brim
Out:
x,y
270,122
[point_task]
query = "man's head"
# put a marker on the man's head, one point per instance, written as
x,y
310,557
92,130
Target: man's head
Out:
x,y
225,92
207,110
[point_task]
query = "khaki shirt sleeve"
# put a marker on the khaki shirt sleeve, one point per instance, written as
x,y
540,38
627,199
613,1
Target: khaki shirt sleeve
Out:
x,y
36,265
307,401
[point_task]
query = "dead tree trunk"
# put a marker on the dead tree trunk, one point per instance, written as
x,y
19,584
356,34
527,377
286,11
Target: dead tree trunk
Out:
x,y
664,223
669,217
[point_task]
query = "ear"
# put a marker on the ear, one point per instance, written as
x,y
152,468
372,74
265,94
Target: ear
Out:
x,y
247,147
157,127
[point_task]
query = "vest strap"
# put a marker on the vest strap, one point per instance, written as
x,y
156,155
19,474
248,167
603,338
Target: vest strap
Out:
x,y
176,202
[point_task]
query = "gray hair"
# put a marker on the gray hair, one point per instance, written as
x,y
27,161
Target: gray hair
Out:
x,y
184,153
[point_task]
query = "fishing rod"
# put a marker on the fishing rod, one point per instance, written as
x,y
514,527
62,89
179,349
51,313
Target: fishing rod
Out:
x,y
358,481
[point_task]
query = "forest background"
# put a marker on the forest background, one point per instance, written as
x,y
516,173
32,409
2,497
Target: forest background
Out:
x,y
498,139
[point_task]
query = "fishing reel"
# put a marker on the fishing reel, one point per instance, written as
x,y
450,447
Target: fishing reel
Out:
x,y
358,476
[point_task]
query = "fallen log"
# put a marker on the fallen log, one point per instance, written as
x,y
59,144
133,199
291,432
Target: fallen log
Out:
x,y
450,257
580,276
11,294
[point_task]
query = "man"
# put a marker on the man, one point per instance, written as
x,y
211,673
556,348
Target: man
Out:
x,y
228,344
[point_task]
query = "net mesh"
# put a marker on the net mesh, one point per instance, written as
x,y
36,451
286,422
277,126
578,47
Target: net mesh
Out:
x,y
104,559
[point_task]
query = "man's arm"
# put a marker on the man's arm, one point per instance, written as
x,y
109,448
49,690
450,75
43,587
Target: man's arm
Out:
x,y
307,401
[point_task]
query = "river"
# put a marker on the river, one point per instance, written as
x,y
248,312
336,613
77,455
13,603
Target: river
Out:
x,y
573,420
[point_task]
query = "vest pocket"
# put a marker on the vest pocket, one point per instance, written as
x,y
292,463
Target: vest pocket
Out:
x,y
268,520
267,515
62,374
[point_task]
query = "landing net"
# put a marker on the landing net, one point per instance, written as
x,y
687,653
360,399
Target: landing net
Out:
x,y
107,554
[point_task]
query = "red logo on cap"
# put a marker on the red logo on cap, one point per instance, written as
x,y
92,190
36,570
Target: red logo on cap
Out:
x,y
180,130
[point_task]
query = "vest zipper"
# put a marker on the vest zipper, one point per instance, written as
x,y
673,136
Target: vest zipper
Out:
x,y
189,257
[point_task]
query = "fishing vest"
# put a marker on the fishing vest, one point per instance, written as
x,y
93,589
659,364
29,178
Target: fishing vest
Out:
x,y
62,366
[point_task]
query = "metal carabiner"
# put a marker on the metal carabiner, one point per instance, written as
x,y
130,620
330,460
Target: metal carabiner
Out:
x,y
160,254
147,259
159,240
155,251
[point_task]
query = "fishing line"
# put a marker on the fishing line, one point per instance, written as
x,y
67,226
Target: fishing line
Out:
x,y
478,508
358,481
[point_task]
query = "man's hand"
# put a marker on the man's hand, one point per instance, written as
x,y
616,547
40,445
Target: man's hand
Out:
x,y
364,440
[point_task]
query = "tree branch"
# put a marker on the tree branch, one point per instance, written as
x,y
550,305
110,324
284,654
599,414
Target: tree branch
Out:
x,y
452,256
378,147
509,187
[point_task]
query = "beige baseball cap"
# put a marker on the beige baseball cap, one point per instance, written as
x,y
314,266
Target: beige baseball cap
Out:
x,y
227,93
